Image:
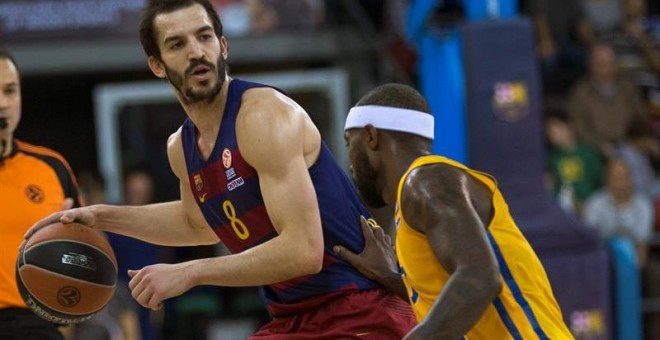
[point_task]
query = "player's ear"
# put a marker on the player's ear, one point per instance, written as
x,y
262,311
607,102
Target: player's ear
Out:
x,y
224,48
157,67
372,135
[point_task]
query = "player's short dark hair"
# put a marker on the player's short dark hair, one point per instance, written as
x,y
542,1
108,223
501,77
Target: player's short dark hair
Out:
x,y
4,54
399,96
396,95
156,7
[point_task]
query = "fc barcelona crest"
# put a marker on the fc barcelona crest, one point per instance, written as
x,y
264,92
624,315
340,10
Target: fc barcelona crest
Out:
x,y
511,101
199,183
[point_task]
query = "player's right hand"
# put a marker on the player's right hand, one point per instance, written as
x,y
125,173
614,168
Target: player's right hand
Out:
x,y
79,215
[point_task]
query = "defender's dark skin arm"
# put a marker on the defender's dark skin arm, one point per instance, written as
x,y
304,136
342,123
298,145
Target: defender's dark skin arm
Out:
x,y
452,209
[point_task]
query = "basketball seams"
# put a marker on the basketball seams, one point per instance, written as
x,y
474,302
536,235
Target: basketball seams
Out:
x,y
66,277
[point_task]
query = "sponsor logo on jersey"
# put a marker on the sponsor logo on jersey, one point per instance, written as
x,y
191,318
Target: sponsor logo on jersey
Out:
x,y
230,173
235,183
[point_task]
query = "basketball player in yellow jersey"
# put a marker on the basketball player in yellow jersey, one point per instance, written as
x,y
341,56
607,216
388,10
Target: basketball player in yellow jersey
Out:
x,y
466,268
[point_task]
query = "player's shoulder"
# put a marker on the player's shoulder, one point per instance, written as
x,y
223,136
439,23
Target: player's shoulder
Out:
x,y
435,182
174,140
175,151
439,174
265,104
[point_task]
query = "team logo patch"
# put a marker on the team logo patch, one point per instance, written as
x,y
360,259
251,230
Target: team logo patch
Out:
x,y
511,101
34,193
199,183
226,158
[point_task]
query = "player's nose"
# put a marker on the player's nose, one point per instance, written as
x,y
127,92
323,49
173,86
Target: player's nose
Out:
x,y
195,50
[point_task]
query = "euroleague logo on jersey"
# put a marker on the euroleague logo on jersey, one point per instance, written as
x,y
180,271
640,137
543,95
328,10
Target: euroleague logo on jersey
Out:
x,y
34,193
226,158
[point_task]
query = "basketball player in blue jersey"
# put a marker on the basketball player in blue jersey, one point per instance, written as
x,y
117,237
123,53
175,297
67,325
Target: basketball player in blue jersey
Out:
x,y
255,174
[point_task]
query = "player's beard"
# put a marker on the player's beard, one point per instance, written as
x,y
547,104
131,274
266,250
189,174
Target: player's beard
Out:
x,y
208,93
365,181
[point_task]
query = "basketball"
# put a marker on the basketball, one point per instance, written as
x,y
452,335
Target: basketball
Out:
x,y
66,272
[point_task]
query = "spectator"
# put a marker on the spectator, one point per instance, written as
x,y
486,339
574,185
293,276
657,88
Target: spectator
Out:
x,y
604,15
575,169
117,320
637,151
564,34
632,38
132,253
619,211
602,104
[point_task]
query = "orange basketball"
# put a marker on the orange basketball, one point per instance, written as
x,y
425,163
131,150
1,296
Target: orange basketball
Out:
x,y
66,272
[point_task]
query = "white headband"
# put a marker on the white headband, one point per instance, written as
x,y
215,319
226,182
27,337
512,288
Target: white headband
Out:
x,y
391,118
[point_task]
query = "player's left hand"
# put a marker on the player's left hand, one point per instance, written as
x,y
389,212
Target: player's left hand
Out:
x,y
151,285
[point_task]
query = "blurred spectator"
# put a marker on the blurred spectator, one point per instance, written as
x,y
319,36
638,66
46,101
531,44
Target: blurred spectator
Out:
x,y
564,34
575,169
604,15
135,254
603,104
619,211
92,187
243,17
637,151
139,188
116,321
632,38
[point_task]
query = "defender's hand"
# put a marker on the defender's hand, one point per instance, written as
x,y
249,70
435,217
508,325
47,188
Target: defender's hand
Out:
x,y
378,259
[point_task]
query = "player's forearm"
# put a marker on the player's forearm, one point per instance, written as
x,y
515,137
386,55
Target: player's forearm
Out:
x,y
162,223
460,305
280,259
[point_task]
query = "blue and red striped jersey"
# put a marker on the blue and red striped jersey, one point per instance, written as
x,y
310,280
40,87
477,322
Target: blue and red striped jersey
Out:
x,y
227,191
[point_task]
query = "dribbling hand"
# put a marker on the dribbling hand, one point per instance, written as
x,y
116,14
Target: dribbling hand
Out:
x,y
67,215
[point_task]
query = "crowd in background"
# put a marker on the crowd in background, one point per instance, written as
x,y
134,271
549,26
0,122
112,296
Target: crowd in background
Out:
x,y
600,65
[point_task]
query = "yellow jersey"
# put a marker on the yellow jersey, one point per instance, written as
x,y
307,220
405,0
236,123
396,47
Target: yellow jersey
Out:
x,y
525,308
34,181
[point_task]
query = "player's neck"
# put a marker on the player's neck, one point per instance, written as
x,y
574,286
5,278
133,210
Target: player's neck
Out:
x,y
206,116
403,158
